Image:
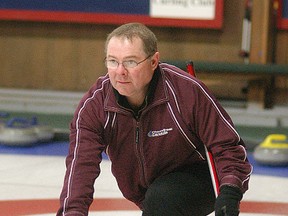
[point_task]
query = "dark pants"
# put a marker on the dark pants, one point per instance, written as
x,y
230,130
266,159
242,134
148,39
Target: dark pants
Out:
x,y
187,192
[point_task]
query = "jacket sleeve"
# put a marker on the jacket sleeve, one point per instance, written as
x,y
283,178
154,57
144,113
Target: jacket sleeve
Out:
x,y
217,132
82,162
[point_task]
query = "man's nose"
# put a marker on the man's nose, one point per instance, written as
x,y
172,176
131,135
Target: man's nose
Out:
x,y
121,70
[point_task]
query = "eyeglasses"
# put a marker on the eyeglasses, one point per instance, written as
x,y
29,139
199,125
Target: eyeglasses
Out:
x,y
113,64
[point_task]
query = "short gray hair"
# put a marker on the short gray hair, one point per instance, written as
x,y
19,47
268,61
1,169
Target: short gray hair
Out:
x,y
132,30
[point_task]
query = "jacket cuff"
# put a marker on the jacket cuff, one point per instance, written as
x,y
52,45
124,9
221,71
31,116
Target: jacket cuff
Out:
x,y
232,181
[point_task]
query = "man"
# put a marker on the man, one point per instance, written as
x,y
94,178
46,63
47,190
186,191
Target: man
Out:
x,y
152,120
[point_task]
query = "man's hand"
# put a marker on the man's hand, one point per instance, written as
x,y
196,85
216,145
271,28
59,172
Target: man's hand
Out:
x,y
227,203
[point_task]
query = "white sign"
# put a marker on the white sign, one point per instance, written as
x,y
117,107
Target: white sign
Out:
x,y
183,9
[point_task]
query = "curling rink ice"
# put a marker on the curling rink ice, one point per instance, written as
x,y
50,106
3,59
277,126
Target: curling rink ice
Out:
x,y
31,184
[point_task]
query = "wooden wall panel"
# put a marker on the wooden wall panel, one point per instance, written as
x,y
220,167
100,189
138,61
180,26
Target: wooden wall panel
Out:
x,y
62,64
261,31
50,56
282,47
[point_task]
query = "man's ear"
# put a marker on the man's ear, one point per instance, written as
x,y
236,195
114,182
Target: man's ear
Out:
x,y
155,60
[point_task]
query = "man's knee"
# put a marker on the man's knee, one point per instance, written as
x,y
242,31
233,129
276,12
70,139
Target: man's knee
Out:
x,y
178,194
155,196
158,200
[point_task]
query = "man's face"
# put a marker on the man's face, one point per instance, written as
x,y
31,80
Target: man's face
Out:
x,y
130,82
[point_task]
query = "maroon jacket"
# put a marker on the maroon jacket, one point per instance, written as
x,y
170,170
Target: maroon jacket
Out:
x,y
179,116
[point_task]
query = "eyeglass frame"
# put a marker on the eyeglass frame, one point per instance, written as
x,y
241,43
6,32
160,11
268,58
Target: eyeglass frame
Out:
x,y
118,63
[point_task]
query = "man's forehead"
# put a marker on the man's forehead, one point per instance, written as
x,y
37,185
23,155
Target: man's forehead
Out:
x,y
125,43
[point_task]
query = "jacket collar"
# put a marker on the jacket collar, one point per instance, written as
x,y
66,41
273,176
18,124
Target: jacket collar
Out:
x,y
157,94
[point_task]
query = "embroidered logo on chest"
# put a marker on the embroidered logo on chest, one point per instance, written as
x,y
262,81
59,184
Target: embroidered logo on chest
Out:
x,y
162,132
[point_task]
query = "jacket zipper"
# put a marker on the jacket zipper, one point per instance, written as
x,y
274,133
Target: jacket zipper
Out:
x,y
142,170
137,135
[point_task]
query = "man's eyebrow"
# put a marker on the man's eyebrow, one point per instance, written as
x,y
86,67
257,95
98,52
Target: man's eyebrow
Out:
x,y
130,57
126,57
110,56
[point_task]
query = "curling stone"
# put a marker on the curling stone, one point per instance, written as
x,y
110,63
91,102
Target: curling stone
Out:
x,y
44,132
17,132
273,150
